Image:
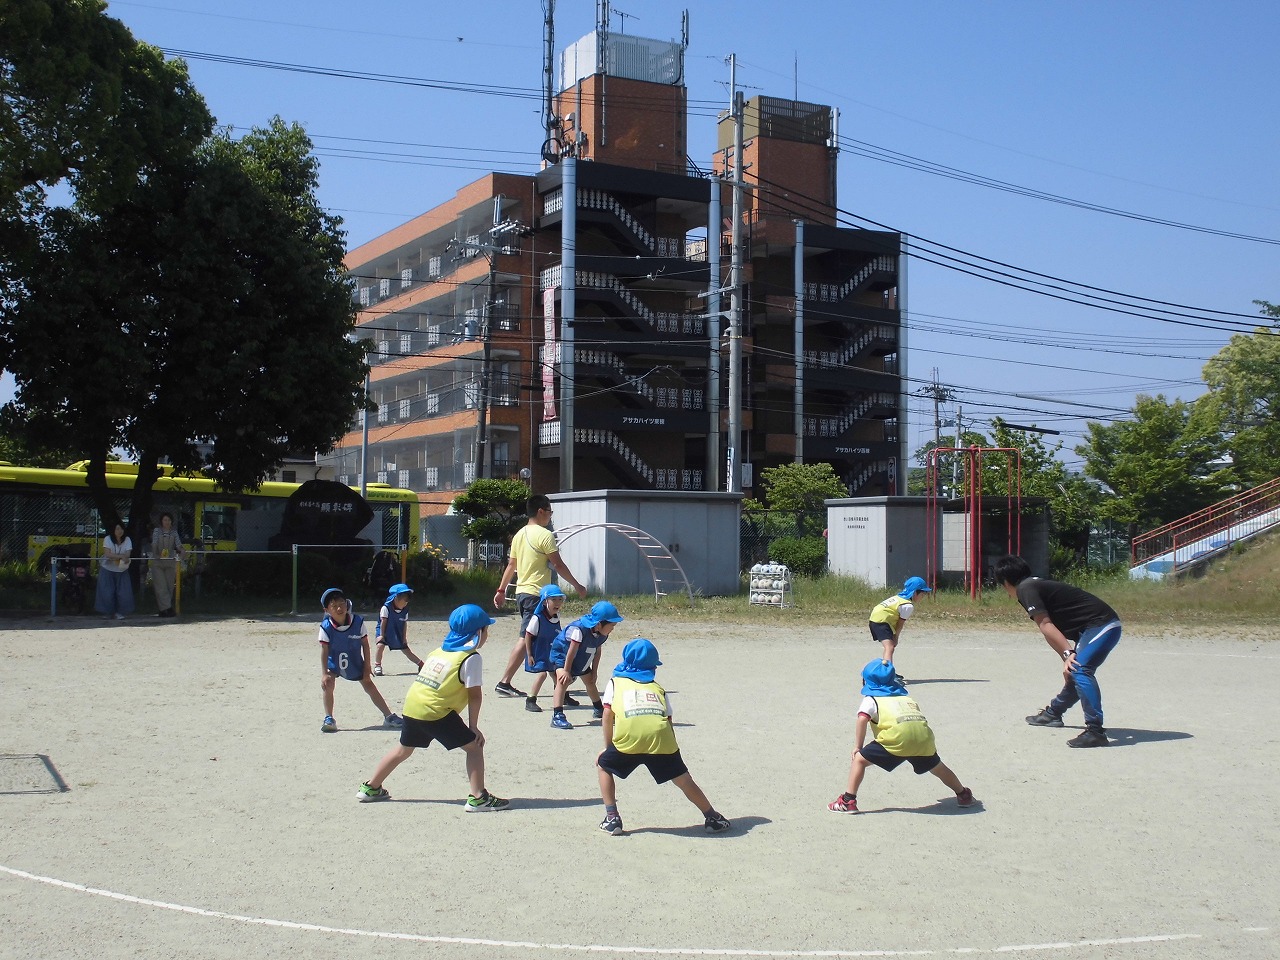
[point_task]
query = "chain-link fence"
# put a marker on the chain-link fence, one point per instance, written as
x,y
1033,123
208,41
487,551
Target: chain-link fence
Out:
x,y
276,581
761,530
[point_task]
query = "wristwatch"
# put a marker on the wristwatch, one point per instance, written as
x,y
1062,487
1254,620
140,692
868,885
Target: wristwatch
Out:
x,y
1066,655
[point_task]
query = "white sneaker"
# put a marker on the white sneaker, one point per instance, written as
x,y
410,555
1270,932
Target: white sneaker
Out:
x,y
119,616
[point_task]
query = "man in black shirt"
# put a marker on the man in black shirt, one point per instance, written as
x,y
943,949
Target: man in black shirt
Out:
x,y
1079,628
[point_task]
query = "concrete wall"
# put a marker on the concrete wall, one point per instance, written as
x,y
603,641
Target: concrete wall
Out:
x,y
699,529
879,540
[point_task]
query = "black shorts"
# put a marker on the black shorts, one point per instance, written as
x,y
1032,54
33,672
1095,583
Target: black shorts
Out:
x,y
880,632
662,766
882,758
449,731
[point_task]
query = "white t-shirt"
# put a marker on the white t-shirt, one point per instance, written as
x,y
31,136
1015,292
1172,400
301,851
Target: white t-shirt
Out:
x,y
869,708
110,563
607,696
905,610
471,671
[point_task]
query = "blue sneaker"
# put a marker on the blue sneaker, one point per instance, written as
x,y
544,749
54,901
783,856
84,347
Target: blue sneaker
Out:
x,y
328,726
597,713
391,720
561,722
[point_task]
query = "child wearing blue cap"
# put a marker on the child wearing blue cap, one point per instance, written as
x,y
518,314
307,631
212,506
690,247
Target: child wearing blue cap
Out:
x,y
449,680
575,652
344,652
392,632
900,732
538,632
890,615
638,732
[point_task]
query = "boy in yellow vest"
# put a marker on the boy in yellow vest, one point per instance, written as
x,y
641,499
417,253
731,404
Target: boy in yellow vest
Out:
x,y
890,615
448,681
638,732
901,734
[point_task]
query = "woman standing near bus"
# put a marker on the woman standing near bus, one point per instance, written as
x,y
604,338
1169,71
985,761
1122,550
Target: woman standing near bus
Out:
x,y
166,554
114,597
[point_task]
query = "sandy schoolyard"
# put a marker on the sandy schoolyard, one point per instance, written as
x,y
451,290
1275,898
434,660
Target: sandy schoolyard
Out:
x,y
165,791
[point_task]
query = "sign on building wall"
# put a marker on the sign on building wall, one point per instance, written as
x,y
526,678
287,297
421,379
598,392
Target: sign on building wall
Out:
x,y
550,354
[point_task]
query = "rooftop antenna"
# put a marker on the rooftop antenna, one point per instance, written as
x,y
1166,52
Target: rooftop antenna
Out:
x,y
622,15
795,76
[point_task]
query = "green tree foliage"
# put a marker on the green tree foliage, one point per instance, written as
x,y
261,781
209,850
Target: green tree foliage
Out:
x,y
191,305
81,101
799,488
1243,400
15,451
496,509
1158,467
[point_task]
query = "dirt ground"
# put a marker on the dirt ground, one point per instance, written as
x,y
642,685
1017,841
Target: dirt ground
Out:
x,y
165,791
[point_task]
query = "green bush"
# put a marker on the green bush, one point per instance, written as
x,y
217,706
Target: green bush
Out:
x,y
428,574
806,556
23,574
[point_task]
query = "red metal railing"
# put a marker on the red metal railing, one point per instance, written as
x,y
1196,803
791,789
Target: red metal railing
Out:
x,y
1203,524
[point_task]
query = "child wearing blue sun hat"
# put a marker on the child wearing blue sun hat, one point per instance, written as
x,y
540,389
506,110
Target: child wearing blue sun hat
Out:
x,y
449,681
537,634
392,632
638,732
901,734
575,652
890,615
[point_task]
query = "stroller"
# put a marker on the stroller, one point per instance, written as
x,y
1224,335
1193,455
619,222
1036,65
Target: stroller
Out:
x,y
382,573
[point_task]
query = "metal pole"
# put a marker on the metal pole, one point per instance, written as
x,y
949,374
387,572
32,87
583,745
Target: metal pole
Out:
x,y
714,231
482,424
568,308
799,346
734,483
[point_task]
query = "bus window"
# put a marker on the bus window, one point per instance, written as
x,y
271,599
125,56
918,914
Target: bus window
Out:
x,y
218,526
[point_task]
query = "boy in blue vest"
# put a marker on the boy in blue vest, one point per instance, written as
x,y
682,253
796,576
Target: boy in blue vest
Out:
x,y
344,652
890,616
638,732
901,734
538,632
392,632
575,652
450,679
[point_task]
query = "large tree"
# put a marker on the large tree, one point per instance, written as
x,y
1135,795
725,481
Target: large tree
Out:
x,y
190,303
1159,466
1243,400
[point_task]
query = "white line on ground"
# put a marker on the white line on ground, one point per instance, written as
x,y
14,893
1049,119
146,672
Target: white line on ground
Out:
x,y
587,948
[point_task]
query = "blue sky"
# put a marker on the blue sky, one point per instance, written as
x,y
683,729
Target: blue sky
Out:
x,y
1166,110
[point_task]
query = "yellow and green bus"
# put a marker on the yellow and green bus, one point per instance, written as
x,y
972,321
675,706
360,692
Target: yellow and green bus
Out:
x,y
44,510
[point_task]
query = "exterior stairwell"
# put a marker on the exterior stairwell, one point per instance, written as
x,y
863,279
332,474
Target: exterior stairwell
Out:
x,y
836,426
851,348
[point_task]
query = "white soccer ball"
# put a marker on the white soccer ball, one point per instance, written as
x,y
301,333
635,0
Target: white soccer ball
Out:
x,y
776,600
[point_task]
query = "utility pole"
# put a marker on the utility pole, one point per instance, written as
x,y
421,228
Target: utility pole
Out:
x,y
734,482
490,250
939,394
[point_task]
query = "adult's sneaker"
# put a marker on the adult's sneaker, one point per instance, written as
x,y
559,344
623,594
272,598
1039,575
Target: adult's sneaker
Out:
x,y
377,669
486,803
841,805
597,713
328,726
965,798
368,794
715,823
531,704
612,826
1090,738
561,722
391,720
507,690
1045,719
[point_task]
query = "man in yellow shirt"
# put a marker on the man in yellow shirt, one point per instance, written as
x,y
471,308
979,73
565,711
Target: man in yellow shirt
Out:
x,y
533,555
